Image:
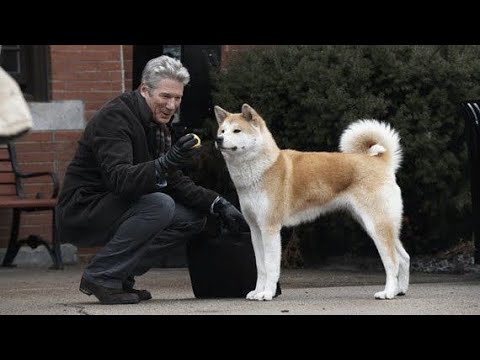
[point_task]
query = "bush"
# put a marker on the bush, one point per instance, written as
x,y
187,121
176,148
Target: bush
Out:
x,y
309,94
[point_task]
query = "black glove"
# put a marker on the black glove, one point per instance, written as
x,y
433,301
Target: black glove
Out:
x,y
179,153
230,216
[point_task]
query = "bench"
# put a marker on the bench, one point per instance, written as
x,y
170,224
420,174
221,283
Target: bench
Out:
x,y
470,110
12,196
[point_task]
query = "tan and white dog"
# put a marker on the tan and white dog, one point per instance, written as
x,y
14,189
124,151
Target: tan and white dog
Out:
x,y
286,187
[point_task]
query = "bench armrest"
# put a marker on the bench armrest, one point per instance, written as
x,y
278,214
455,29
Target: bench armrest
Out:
x,y
45,173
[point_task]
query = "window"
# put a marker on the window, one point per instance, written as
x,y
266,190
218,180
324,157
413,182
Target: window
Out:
x,y
29,66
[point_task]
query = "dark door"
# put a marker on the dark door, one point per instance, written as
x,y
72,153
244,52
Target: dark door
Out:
x,y
141,55
197,102
198,59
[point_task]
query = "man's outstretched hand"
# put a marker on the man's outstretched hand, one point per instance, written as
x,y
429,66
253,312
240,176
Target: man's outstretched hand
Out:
x,y
180,153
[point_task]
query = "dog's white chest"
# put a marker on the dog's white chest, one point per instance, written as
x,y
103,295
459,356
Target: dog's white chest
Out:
x,y
254,202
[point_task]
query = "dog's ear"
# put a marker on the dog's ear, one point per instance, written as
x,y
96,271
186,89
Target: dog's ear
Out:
x,y
248,112
220,114
251,115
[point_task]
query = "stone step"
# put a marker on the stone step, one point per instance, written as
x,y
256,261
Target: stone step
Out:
x,y
39,257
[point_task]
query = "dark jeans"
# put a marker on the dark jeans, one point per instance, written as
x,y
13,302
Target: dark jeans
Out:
x,y
153,225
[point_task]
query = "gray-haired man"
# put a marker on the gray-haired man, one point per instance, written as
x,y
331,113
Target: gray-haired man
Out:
x,y
124,190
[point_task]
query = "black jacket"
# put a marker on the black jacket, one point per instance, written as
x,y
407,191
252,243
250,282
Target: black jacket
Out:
x,y
113,166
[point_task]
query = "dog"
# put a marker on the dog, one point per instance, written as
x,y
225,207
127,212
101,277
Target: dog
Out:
x,y
286,187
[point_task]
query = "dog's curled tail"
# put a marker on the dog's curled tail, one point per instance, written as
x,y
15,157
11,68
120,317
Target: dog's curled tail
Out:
x,y
373,138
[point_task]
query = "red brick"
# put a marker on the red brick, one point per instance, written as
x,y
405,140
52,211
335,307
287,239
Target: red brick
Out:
x,y
68,146
95,86
40,184
66,156
87,66
37,219
36,136
58,85
89,114
96,105
61,95
35,167
69,136
35,147
24,157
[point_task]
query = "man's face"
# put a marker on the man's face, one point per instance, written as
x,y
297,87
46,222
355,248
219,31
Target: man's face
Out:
x,y
165,100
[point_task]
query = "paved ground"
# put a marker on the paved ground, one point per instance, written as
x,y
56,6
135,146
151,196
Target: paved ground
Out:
x,y
322,292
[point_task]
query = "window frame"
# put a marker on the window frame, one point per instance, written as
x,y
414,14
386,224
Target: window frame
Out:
x,y
34,65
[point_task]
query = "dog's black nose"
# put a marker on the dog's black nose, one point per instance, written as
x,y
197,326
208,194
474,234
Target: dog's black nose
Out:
x,y
219,140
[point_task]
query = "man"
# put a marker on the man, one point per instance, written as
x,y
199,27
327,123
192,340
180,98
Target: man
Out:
x,y
124,191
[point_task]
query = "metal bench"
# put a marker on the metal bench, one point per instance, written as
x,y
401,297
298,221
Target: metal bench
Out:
x,y
470,110
12,196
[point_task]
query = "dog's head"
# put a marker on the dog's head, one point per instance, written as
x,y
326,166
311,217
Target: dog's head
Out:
x,y
239,133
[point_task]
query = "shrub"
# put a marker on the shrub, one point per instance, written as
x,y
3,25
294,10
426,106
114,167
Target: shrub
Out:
x,y
309,94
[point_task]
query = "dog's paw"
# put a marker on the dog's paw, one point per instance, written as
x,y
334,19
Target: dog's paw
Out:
x,y
401,291
251,295
264,295
384,295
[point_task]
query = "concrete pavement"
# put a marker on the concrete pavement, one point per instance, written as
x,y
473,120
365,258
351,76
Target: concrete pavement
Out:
x,y
305,291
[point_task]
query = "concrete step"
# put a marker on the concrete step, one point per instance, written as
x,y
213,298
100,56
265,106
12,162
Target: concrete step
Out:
x,y
39,257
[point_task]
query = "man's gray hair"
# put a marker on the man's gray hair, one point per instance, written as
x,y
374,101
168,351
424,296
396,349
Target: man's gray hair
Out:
x,y
164,67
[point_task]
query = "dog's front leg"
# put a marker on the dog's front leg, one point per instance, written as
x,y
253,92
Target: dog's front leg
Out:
x,y
259,260
272,246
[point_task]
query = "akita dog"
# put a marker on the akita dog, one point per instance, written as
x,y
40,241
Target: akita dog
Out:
x,y
286,187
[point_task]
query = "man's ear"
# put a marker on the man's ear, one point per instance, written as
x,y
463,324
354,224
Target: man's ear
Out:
x,y
220,114
143,89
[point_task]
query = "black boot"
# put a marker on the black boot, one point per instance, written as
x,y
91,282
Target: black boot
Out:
x,y
128,287
108,295
142,294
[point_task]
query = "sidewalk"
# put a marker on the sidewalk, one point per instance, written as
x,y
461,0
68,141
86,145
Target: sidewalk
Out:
x,y
305,291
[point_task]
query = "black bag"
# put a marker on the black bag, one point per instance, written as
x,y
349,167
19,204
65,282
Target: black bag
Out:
x,y
222,265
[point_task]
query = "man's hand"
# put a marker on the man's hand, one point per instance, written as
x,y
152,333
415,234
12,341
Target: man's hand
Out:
x,y
180,152
230,216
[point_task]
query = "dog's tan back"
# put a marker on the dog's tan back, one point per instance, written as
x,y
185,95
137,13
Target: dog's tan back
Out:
x,y
286,187
299,181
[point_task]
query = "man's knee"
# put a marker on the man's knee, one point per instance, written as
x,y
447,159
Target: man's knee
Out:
x,y
188,220
157,206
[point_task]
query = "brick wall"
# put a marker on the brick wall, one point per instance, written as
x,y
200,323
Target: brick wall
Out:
x,y
92,73
128,65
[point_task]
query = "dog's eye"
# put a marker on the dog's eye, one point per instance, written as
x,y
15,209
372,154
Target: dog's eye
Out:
x,y
236,131
223,131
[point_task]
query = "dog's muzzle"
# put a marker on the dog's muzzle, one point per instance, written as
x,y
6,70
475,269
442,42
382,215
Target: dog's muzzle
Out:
x,y
219,145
